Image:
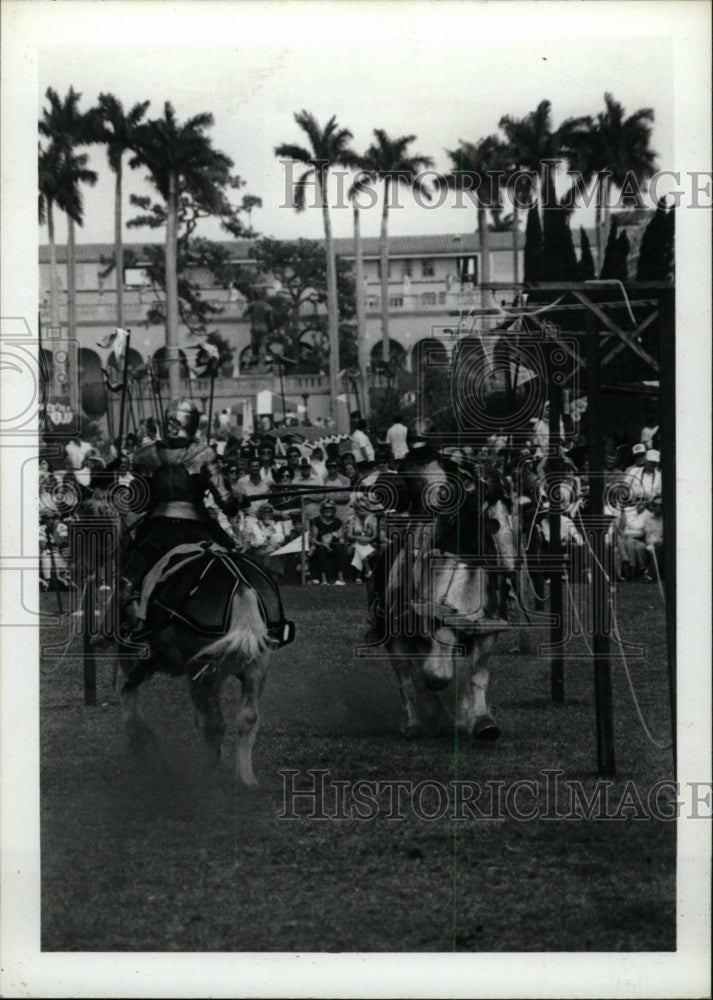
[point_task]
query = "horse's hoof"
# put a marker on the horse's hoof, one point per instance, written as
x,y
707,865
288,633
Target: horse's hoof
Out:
x,y
486,730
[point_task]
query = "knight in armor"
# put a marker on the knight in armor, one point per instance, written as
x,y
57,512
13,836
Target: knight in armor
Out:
x,y
180,470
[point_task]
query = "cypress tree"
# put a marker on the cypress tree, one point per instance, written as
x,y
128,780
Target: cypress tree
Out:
x,y
585,267
609,265
534,247
656,253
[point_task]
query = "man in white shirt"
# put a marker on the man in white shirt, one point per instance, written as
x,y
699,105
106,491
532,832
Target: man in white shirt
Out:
x,y
396,438
361,445
253,484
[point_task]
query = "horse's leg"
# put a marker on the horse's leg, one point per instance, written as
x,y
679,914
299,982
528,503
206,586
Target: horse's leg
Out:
x,y
473,710
405,676
138,732
205,695
252,680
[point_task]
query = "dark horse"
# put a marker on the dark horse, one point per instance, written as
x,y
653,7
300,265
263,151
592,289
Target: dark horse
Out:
x,y
212,615
441,585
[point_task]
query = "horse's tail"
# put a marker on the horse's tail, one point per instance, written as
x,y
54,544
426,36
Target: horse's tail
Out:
x,y
247,633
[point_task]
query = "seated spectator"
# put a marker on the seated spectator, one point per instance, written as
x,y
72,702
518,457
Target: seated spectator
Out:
x,y
76,451
349,470
308,476
360,535
328,555
263,536
252,484
333,479
317,462
266,454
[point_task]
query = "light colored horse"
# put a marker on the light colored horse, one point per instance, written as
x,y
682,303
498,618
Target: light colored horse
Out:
x,y
442,603
177,647
243,652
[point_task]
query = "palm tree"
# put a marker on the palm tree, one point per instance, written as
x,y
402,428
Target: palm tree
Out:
x,y
185,169
116,130
475,166
387,159
328,148
49,196
66,128
614,149
362,179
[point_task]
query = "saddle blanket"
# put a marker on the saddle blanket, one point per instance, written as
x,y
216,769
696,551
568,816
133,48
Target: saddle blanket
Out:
x,y
196,584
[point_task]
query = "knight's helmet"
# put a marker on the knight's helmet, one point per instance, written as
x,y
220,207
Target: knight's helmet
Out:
x,y
181,418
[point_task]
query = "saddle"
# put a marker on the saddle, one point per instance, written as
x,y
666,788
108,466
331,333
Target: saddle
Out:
x,y
195,584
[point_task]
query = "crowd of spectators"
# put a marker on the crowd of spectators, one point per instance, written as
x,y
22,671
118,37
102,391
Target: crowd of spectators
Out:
x,y
306,520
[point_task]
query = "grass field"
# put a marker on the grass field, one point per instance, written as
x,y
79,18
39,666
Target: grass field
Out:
x,y
164,853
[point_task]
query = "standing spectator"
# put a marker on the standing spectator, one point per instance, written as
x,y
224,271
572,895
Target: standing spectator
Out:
x,y
329,554
396,438
361,445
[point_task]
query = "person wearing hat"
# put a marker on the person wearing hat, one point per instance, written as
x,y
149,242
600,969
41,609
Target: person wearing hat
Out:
x,y
328,554
308,476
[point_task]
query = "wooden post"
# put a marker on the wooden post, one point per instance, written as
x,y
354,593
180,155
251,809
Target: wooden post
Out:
x,y
89,662
601,587
667,423
124,389
554,464
302,543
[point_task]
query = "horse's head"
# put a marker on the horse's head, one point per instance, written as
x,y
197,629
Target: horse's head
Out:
x,y
500,528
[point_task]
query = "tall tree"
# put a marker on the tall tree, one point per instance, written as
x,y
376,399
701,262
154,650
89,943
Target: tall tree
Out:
x,y
361,183
328,147
615,150
389,161
585,266
477,168
534,247
184,168
534,149
656,252
115,128
66,127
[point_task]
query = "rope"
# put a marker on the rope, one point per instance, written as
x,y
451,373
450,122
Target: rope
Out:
x,y
615,631
656,743
50,670
652,550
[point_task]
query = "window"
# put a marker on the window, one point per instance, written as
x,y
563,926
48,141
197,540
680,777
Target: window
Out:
x,y
372,301
378,270
396,301
441,298
428,298
406,268
428,269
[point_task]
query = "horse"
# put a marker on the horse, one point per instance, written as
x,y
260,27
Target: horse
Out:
x,y
212,614
444,599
